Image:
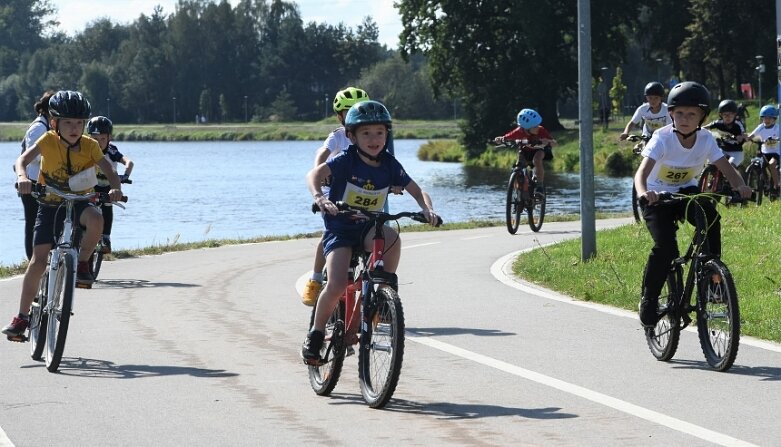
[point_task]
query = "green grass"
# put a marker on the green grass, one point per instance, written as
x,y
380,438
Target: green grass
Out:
x,y
614,276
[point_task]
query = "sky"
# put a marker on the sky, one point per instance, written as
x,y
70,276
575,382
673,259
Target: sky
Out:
x,y
74,15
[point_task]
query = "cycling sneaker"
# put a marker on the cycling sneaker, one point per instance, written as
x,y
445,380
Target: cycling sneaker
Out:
x,y
100,125
768,111
348,97
528,118
310,350
16,328
654,89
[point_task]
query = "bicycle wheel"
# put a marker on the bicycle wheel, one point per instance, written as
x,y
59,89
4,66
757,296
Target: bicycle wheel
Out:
x,y
636,205
59,309
381,348
663,338
536,211
37,330
707,182
96,260
323,378
754,180
718,316
514,201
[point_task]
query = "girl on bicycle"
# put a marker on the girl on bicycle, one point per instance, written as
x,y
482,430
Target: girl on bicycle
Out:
x,y
769,133
671,159
362,176
530,128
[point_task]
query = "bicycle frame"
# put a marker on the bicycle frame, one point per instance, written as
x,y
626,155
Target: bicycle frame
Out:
x,y
66,243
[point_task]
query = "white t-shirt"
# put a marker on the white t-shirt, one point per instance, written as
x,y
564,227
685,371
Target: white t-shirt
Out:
x,y
650,121
35,131
677,167
766,132
336,142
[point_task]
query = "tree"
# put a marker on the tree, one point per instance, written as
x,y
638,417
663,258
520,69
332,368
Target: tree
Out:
x,y
617,91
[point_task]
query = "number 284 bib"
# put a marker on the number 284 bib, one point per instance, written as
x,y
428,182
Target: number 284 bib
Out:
x,y
368,199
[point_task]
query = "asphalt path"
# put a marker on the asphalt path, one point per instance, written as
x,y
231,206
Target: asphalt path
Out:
x,y
201,348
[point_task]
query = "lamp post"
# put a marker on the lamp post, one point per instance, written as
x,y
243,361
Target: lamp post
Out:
x,y
325,113
245,109
174,101
108,107
760,69
659,69
604,103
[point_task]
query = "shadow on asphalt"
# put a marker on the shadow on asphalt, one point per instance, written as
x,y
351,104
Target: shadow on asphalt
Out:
x,y
93,368
136,284
762,372
429,331
454,411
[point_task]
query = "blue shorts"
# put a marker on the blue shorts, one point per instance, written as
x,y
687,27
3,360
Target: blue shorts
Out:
x,y
50,220
333,239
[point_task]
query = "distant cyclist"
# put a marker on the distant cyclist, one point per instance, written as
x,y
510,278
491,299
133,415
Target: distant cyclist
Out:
x,y
530,128
727,122
652,114
768,133
336,142
101,128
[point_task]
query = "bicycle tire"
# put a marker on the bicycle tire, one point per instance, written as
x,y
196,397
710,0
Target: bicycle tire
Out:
x,y
381,348
37,330
536,211
323,378
514,204
707,181
636,205
754,180
663,339
60,311
718,315
96,261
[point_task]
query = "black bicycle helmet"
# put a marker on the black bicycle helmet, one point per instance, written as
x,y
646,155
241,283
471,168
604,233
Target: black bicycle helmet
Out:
x,y
100,124
728,105
691,94
654,89
69,104
367,112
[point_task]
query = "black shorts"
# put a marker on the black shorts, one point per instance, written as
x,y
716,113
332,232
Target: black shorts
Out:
x,y
50,220
529,155
769,157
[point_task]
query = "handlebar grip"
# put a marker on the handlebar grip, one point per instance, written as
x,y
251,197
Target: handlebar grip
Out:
x,y
439,221
126,180
315,208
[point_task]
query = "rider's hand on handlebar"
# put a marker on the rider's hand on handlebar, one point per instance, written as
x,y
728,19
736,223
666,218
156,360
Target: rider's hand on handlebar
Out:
x,y
431,216
24,185
326,206
623,136
650,196
115,195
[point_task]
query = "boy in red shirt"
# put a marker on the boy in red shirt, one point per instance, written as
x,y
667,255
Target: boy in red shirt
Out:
x,y
529,128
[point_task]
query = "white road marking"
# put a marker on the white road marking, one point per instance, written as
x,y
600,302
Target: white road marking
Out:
x,y
585,393
475,237
4,441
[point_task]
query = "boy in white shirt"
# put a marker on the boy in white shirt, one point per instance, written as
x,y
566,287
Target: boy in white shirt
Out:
x,y
652,115
767,132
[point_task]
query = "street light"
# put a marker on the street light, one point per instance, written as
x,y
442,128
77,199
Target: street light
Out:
x,y
325,114
108,107
245,109
658,68
760,69
604,103
174,100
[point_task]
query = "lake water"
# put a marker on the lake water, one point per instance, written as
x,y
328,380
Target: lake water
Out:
x,y
191,191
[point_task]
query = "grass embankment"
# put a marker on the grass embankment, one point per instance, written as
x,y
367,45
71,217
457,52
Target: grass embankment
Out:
x,y
750,238
277,131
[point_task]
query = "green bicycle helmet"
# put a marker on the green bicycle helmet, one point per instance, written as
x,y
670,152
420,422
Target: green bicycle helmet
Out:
x,y
348,97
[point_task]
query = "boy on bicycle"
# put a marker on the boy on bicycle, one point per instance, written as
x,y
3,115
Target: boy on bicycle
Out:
x,y
362,176
727,122
336,142
652,114
671,159
64,154
768,133
529,128
100,128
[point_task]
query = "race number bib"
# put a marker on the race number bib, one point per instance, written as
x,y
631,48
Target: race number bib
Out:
x,y
368,199
673,175
655,124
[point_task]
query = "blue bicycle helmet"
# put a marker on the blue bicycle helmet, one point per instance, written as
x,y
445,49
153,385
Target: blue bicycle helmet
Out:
x,y
367,112
768,110
528,118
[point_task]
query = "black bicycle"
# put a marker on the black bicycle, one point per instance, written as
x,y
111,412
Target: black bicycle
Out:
x,y
641,140
96,258
758,177
710,282
523,193
712,180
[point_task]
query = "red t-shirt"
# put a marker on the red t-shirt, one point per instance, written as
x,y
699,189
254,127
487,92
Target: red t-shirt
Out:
x,y
519,133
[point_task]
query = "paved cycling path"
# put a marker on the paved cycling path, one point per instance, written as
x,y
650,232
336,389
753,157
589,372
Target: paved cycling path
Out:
x,y
201,348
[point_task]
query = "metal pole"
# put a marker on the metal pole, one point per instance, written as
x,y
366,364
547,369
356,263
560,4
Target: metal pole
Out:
x,y
587,222
760,70
174,100
245,109
108,107
325,114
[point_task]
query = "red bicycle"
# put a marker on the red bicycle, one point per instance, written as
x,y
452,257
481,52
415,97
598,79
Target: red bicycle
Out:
x,y
369,313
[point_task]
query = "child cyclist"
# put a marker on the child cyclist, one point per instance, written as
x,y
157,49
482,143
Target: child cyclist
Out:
x,y
768,134
529,128
727,123
336,142
100,128
652,114
671,159
64,153
364,169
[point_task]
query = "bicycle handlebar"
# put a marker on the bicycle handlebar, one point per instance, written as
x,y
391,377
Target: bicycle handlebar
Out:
x,y
636,138
671,198
518,144
380,216
103,197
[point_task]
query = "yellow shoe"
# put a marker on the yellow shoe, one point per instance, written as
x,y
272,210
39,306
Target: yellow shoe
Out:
x,y
311,292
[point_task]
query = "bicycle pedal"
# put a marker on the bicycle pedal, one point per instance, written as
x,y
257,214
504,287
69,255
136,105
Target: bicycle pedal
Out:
x,y
83,285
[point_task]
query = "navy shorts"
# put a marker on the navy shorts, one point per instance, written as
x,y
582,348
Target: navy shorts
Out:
x,y
344,238
50,220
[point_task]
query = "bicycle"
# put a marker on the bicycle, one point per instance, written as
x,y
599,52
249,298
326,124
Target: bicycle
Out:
x,y
53,305
369,313
641,140
716,299
712,180
522,190
758,176
96,258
